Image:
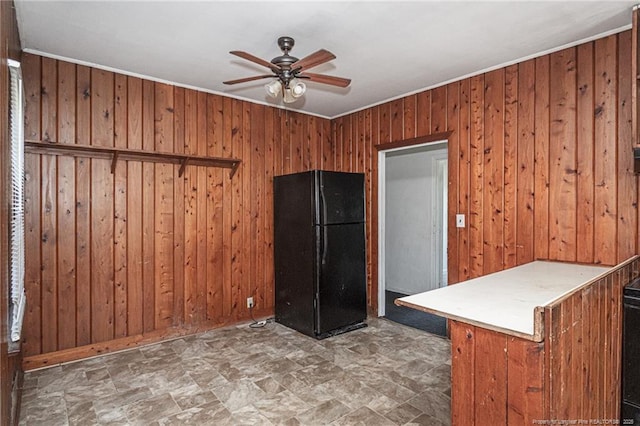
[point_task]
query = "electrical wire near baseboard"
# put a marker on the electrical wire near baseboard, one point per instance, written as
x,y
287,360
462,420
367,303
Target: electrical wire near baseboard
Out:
x,y
258,324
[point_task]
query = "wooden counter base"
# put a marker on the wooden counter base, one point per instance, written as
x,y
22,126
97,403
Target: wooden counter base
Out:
x,y
573,375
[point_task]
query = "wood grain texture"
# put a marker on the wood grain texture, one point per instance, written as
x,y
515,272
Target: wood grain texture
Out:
x,y
152,251
574,374
525,174
605,148
538,152
562,156
463,374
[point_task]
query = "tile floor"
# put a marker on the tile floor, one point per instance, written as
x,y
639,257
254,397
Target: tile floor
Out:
x,y
385,374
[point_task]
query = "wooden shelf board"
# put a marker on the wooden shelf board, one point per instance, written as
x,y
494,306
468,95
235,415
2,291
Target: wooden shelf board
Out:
x,y
116,154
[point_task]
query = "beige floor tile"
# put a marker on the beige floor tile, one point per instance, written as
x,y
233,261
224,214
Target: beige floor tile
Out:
x,y
386,373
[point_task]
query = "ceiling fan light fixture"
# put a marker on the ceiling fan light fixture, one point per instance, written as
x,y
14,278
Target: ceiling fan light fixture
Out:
x,y
288,96
274,88
297,88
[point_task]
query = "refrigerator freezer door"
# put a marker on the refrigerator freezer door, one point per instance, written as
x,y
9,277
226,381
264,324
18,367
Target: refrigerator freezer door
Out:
x,y
341,198
341,294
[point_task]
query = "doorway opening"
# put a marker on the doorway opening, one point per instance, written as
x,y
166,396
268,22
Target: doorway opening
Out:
x,y
412,214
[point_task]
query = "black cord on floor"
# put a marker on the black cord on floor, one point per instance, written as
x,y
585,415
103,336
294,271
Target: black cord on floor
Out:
x,y
258,324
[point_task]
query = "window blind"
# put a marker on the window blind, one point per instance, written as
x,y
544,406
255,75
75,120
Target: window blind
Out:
x,y
16,123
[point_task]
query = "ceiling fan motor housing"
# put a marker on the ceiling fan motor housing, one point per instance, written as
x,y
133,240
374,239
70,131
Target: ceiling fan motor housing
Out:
x,y
286,43
285,61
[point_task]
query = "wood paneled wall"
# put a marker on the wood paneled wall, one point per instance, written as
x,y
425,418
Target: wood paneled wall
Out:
x,y
10,368
540,162
572,376
118,259
540,159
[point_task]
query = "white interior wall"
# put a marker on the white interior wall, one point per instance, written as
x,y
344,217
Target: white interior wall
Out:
x,y
411,222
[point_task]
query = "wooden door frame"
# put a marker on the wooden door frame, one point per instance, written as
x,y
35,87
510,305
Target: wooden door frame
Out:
x,y
383,149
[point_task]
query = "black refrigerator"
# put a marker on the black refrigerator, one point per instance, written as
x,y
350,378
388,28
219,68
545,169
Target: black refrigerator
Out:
x,y
319,252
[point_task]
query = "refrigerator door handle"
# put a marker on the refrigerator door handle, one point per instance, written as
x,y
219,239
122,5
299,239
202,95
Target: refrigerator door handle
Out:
x,y
323,251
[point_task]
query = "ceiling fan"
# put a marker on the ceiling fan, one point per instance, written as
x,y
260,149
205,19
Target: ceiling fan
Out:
x,y
289,71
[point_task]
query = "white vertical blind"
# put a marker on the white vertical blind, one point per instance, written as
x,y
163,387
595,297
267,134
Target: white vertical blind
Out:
x,y
16,122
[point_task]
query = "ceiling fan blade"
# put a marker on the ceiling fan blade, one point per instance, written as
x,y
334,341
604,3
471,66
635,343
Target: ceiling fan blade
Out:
x,y
244,80
313,60
255,59
326,79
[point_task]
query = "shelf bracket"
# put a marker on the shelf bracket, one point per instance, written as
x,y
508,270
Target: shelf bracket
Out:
x,y
114,161
183,166
234,168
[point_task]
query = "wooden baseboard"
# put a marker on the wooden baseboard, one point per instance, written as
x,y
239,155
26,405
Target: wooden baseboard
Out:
x,y
51,359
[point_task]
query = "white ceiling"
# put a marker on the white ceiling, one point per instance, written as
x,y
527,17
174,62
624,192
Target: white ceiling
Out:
x,y
388,48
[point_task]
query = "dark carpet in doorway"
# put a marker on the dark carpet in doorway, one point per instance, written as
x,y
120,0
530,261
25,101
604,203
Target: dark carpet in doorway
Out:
x,y
421,320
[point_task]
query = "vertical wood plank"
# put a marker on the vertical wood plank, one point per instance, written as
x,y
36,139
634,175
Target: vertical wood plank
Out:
x,y
627,197
368,170
453,164
179,209
49,211
384,123
525,378
439,110
267,205
348,145
102,230
578,347
337,134
464,178
164,208
315,142
247,244
616,303
202,248
476,178
215,293
510,200
541,160
463,374
148,203
135,295
255,234
66,260
562,156
372,285
191,209
396,116
120,210
227,219
526,163
237,277
409,116
605,196
359,134
286,137
585,150
83,208
328,147
491,392
296,140
423,113
493,174
32,340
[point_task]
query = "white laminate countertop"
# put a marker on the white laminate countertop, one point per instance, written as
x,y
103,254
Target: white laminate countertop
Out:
x,y
506,300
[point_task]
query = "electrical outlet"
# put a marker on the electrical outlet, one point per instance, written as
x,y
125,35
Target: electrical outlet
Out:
x,y
249,302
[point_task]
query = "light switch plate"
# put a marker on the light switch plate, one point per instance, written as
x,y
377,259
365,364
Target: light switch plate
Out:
x,y
459,221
